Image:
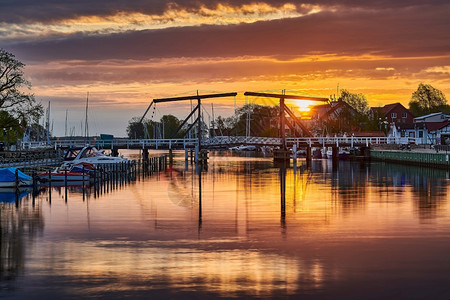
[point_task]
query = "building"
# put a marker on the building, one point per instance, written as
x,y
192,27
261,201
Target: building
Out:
x,y
432,118
393,113
433,129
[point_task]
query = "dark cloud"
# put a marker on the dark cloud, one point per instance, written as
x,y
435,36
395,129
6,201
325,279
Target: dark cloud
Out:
x,y
45,11
403,32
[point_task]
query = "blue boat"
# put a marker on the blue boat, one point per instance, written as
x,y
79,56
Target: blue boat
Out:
x,y
8,178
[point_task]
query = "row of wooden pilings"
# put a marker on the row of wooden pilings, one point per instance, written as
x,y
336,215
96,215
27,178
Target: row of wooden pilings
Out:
x,y
103,178
285,154
190,155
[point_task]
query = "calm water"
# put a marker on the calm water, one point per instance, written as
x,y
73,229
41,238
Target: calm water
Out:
x,y
244,229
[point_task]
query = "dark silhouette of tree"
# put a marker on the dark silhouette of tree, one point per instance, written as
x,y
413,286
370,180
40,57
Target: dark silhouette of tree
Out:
x,y
426,100
168,123
135,129
357,101
171,123
13,100
264,120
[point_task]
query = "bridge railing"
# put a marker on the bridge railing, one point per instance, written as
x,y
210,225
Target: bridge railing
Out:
x,y
118,142
352,141
222,141
241,140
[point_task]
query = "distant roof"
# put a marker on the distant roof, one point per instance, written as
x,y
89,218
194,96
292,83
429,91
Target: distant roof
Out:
x,y
433,126
430,115
387,108
324,110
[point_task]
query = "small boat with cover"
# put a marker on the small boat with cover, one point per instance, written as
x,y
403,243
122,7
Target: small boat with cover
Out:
x,y
8,178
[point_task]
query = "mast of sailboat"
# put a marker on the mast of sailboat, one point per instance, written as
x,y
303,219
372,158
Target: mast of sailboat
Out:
x,y
213,122
47,125
65,127
86,126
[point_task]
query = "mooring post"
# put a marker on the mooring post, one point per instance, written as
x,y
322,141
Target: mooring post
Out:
x,y
170,157
294,152
16,174
335,153
65,185
196,153
33,175
83,177
83,187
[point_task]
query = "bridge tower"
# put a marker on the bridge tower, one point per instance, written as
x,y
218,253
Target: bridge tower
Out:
x,y
198,120
283,154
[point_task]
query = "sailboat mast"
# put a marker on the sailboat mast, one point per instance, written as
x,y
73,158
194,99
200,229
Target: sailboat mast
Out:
x,y
65,127
86,126
48,123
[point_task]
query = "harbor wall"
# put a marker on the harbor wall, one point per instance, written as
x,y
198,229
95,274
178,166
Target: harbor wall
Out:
x,y
437,159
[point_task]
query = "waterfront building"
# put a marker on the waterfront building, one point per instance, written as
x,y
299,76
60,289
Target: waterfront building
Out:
x,y
393,113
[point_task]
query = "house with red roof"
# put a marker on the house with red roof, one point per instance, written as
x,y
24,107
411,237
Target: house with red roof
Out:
x,y
393,113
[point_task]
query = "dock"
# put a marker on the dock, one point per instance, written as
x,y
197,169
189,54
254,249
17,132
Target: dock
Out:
x,y
425,156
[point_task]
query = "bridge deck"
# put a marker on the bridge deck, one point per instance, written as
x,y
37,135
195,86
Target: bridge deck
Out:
x,y
227,141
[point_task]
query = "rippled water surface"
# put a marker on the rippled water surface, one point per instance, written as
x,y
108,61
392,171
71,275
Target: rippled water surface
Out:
x,y
243,228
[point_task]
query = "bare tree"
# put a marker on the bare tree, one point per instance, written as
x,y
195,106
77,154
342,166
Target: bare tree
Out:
x,y
14,100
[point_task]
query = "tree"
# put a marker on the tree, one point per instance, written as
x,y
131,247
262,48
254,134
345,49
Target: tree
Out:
x,y
357,114
426,100
171,124
13,100
10,128
264,120
357,101
135,129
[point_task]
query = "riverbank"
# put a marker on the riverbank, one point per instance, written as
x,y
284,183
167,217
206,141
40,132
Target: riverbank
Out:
x,y
424,155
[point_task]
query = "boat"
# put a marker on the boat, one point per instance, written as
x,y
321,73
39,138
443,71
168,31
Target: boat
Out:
x,y
344,153
62,175
243,148
316,153
77,172
8,178
91,155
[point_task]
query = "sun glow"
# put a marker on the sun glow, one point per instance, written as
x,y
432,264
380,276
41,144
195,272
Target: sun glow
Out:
x,y
304,106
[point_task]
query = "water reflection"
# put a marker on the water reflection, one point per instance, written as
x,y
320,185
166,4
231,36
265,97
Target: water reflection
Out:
x,y
429,187
19,225
242,228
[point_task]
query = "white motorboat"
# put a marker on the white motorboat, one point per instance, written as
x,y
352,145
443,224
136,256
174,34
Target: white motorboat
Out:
x,y
91,155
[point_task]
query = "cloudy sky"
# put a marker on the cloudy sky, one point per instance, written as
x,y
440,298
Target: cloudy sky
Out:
x,y
127,52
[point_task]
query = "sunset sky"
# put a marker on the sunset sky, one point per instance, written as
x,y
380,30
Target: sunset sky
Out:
x,y
125,53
